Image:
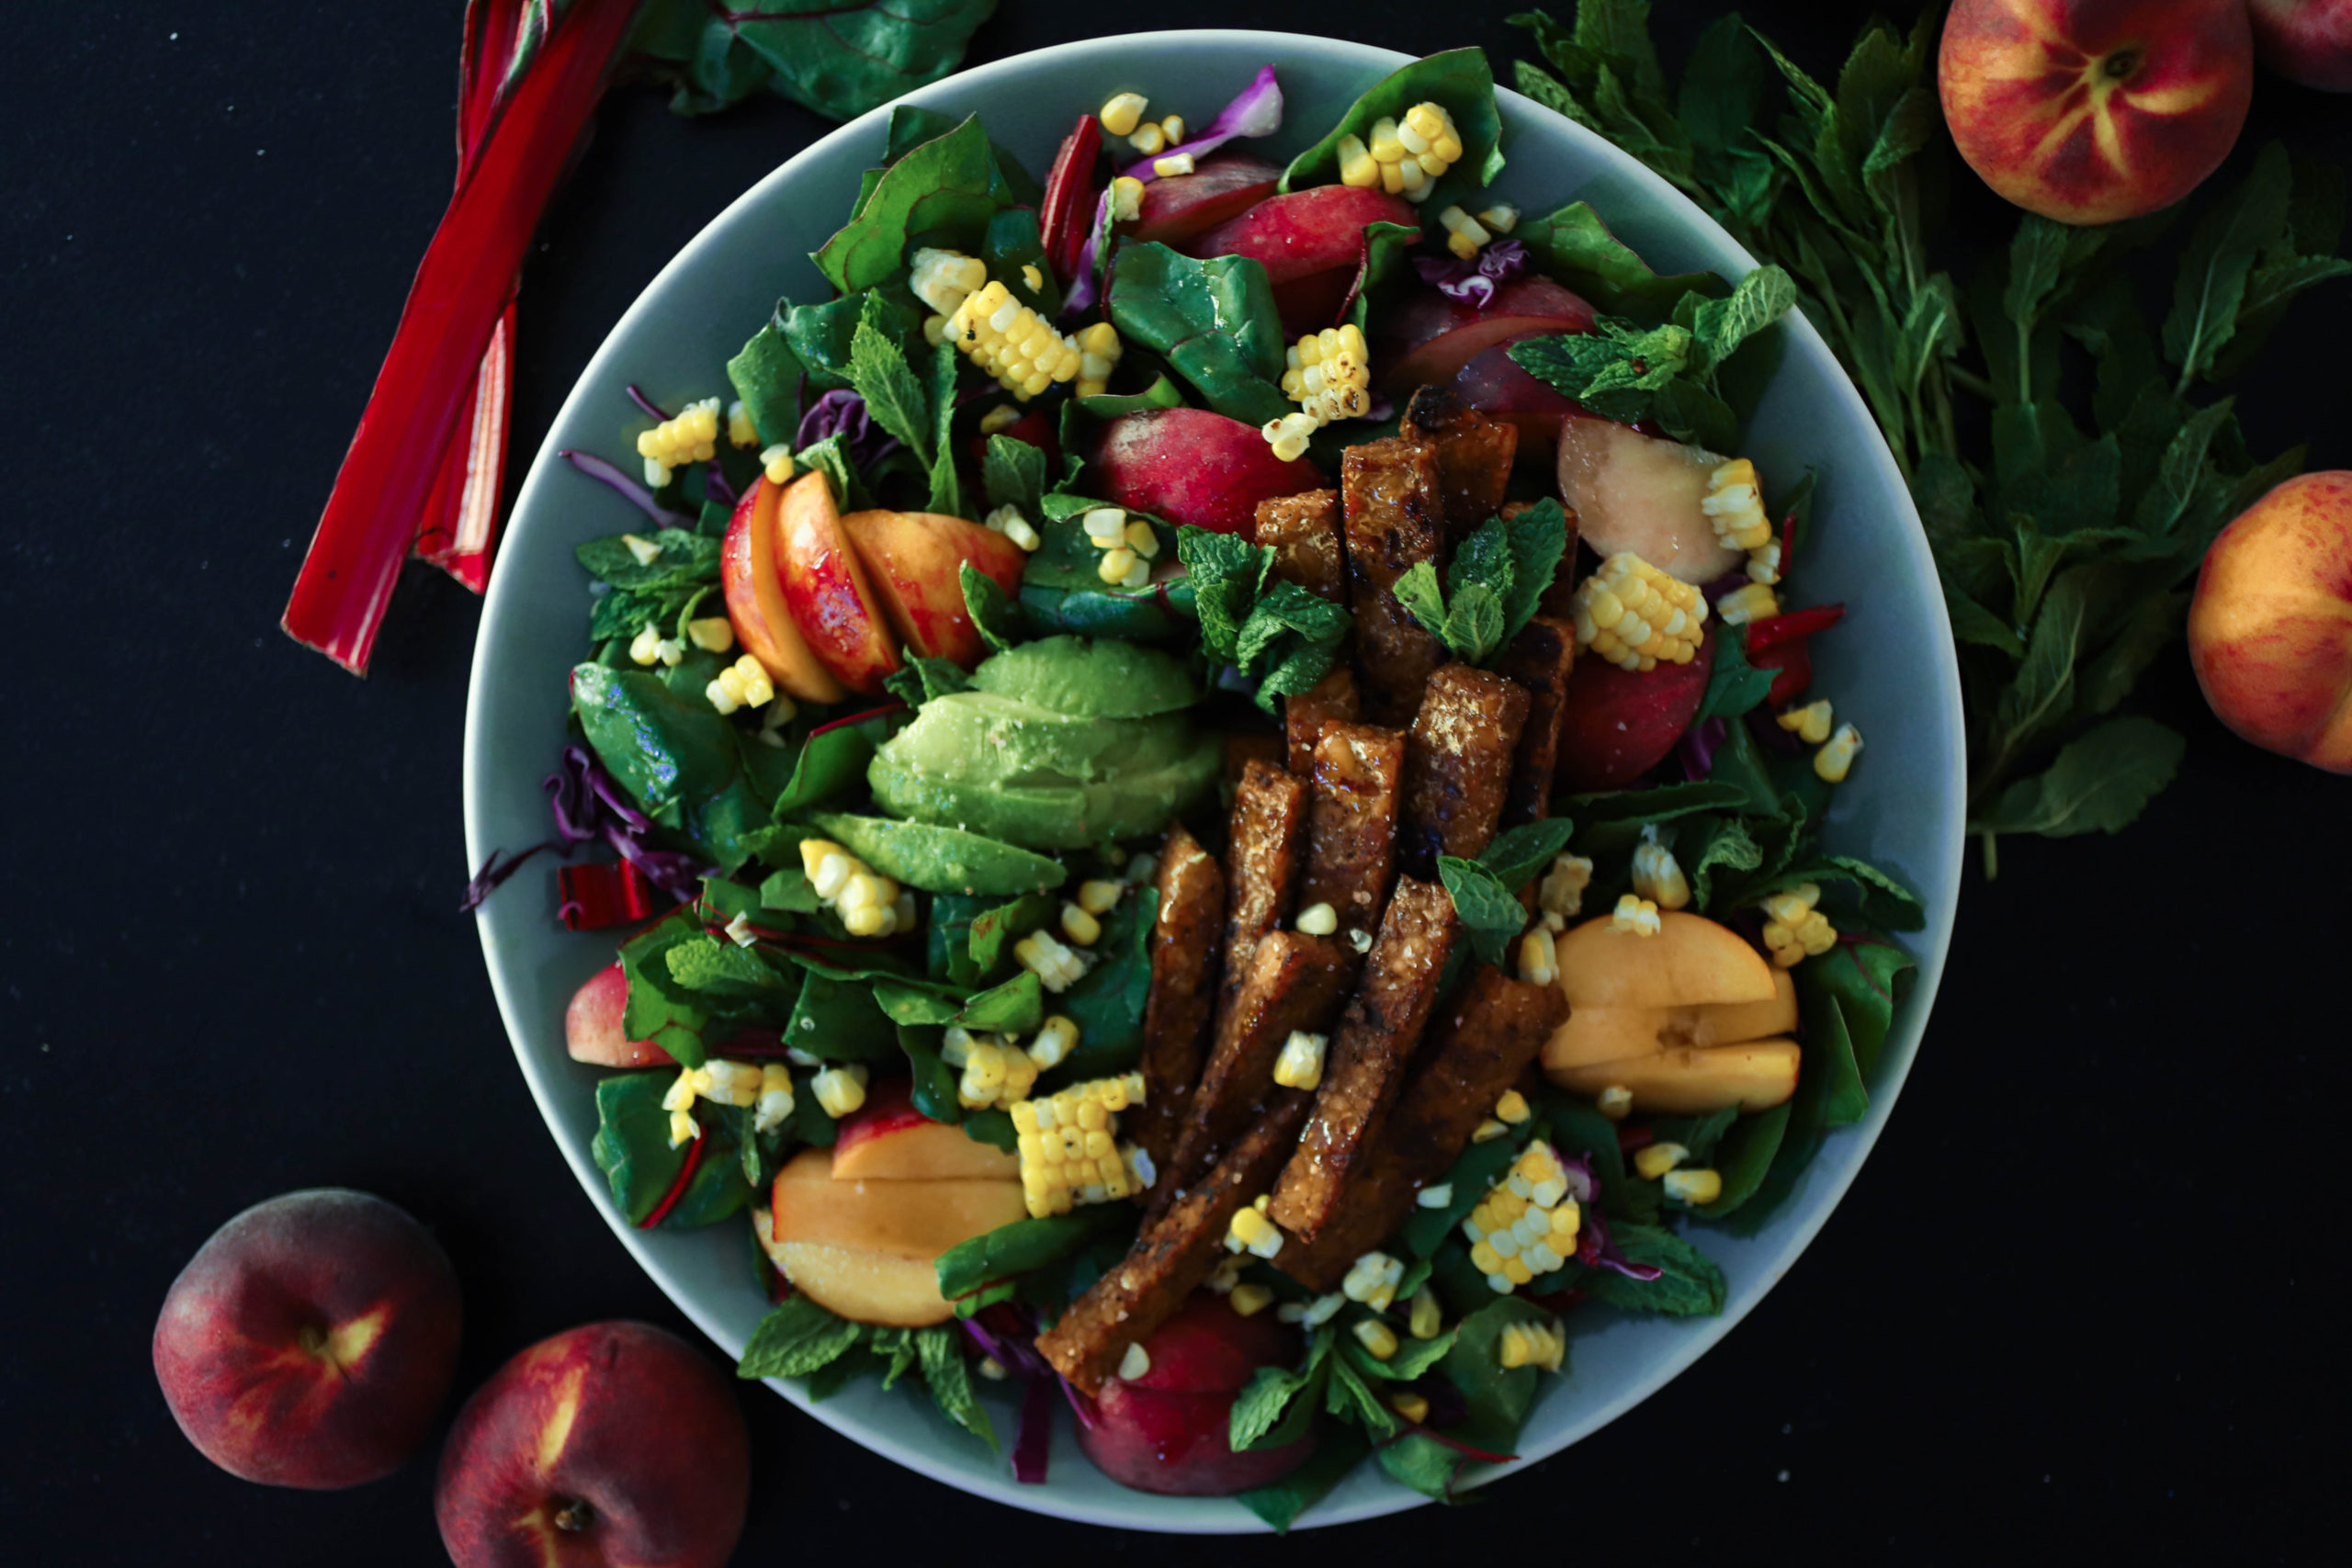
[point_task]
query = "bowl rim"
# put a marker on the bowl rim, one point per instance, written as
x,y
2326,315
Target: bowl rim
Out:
x,y
1929,945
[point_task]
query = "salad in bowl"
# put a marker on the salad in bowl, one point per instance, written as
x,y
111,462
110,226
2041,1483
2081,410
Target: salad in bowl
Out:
x,y
1208,804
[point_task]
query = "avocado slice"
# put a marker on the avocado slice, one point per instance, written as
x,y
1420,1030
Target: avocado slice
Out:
x,y
942,860
1050,812
1084,679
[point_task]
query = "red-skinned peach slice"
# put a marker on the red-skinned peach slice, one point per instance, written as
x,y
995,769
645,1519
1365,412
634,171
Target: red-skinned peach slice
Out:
x,y
755,594
310,1341
1616,725
886,1139
826,589
1430,335
1167,1431
1306,232
1192,466
1309,304
592,1025
2093,111
1495,385
609,1444
1182,206
1642,494
915,561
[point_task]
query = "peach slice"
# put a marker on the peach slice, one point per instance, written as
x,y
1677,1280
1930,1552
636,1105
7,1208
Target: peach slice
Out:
x,y
1693,960
886,1139
1642,493
1317,229
868,1249
915,560
1192,466
592,1025
1182,205
1687,1080
754,597
1431,336
1616,725
1609,1034
826,592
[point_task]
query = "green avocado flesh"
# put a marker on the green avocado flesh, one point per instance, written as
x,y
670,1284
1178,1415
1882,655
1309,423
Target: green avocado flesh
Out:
x,y
942,860
993,764
1080,679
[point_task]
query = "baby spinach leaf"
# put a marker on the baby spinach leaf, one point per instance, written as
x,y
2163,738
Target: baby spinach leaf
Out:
x,y
839,1021
1384,271
837,57
658,1009
684,559
795,1339
913,1005
994,931
633,1143
1489,911
666,750
1013,1008
1019,1247
1281,1502
1473,1176
1107,1003
933,1090
945,191
1497,1399
991,608
1213,320
1575,247
1745,1156
1689,1283
1013,474
766,377
1458,80
831,763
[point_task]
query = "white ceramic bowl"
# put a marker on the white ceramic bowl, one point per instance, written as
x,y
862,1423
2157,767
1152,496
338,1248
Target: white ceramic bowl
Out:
x,y
1890,667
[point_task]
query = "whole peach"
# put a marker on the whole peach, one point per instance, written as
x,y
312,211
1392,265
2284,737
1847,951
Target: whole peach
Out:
x,y
2270,628
2306,41
310,1341
611,1444
2092,111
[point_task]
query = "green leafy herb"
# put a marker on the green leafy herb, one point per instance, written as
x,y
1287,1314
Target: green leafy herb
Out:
x,y
1458,79
683,559
835,57
1690,1284
795,1339
1213,321
1273,631
1485,903
1515,855
1277,1405
1474,1174
940,1350
922,679
1019,1247
946,190
991,609
1493,585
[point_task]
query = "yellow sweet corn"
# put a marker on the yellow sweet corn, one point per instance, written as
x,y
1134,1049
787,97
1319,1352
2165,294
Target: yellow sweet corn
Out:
x,y
1011,342
1099,349
1755,602
995,1074
1735,506
1404,156
1656,1159
1081,927
1123,112
774,1102
1694,1187
1127,200
1539,957
1463,234
1528,1225
868,903
646,551
1793,929
646,647
1379,1339
1616,1102
1141,540
1357,165
1300,1065
1007,520
1561,893
1055,966
692,437
1810,722
712,634
1487,1131
1318,919
1135,1363
1250,1300
727,1083
1172,128
679,1101
1512,1107
1068,1148
1099,896
1636,916
1410,1405
1288,435
1531,1344
1502,218
1252,1233
742,685
1001,418
1835,759
1436,1197
1425,1317
776,462
740,431
1055,1040
1172,165
1148,139
840,1090
1764,564
1329,374
1636,616
1657,876
1373,1279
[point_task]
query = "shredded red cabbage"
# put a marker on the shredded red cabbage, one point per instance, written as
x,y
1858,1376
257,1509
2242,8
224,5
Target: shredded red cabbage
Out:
x,y
652,408
1035,1440
636,494
1258,111
1595,1249
494,873
588,805
714,485
843,412
1473,282
1696,749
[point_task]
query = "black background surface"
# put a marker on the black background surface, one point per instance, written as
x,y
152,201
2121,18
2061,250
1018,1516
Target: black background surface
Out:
x,y
2086,1297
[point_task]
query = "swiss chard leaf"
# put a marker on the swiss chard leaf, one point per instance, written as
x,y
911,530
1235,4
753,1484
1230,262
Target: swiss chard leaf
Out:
x,y
946,190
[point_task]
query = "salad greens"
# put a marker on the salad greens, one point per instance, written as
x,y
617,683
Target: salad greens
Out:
x,y
837,59
2064,550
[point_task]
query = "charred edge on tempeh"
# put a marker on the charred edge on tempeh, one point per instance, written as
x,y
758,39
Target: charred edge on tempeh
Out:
x,y
1304,530
1186,936
1359,774
1538,662
1394,519
1332,700
1474,456
1457,765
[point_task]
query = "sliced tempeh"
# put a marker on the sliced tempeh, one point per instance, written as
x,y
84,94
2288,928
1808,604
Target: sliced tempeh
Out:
x,y
1474,456
1171,1257
1477,1049
1359,772
1261,859
1294,982
1243,747
1305,532
1330,699
1395,519
1365,1063
1538,662
1187,934
1457,765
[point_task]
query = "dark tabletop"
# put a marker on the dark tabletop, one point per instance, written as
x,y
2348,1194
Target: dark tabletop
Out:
x,y
2086,1296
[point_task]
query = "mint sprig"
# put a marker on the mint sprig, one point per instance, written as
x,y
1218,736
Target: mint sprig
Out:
x,y
1493,585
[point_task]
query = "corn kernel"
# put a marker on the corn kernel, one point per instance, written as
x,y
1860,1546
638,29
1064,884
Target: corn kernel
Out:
x,y
1250,1300
1561,893
1636,916
1810,723
1172,128
1616,1102
1081,927
712,634
1657,876
1357,166
740,431
1502,218
1127,200
1173,165
1300,1065
1436,1196
1123,112
1001,418
1636,616
1694,1187
1512,1107
1054,1041
1538,958
1318,920
1410,1405
840,1090
646,647
1489,1131
1657,1159
726,692
1251,1232
1379,1339
776,462
1099,897
1734,506
1135,1363
1425,1317
1148,139
1835,759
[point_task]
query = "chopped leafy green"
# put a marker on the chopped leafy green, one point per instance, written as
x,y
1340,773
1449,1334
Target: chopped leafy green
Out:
x,y
1281,636
940,1350
1689,1283
839,59
795,1339
1019,1247
1487,908
944,192
1213,321
1458,79
1493,585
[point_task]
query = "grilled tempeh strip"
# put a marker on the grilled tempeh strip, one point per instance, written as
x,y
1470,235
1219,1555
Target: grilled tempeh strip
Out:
x,y
1538,661
1243,747
1359,772
1474,456
1294,982
1457,765
1186,936
1366,1062
1304,529
1268,834
1394,519
1171,1257
1304,713
1477,1049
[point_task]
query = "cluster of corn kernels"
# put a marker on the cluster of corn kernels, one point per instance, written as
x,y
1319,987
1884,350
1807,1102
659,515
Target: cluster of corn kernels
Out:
x,y
1057,968
1466,235
1752,602
840,1091
1636,916
1288,435
723,1083
1810,723
1793,929
1128,545
1543,1345
1511,1111
945,279
712,634
868,903
1560,895
1251,1232
1069,1149
1329,374
1663,1162
1528,1225
1735,509
1081,917
1008,340
1403,157
1373,1279
1657,876
691,437
996,1070
1300,1065
1122,115
1636,616
1007,520
1098,355
742,685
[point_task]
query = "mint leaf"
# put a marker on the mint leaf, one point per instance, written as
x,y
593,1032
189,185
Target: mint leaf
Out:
x,y
1277,1405
1757,300
879,372
795,1339
1417,590
1515,855
1489,911
1537,537
2212,287
1013,474
1689,1283
1227,572
1474,624
940,1350
2098,784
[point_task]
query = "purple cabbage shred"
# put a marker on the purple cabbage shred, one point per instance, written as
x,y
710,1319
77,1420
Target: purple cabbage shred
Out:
x,y
636,494
1037,1435
1081,295
587,804
652,409
1598,1250
843,412
1474,282
1258,111
1696,749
